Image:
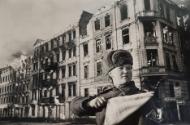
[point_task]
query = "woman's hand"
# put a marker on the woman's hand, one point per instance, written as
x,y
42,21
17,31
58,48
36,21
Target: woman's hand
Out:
x,y
97,102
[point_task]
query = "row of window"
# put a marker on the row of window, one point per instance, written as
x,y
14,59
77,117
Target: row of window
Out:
x,y
71,70
56,42
108,42
71,91
6,89
56,58
21,88
164,10
59,91
152,59
107,22
7,78
107,18
151,34
4,100
17,100
171,60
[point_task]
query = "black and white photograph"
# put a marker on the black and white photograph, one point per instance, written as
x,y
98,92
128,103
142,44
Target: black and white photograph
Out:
x,y
95,62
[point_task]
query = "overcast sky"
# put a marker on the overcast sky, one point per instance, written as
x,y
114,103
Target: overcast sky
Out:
x,y
24,21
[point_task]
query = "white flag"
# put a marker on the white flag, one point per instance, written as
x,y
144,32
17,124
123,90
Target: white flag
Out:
x,y
119,108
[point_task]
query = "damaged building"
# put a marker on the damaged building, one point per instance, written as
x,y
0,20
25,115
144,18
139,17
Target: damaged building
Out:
x,y
72,63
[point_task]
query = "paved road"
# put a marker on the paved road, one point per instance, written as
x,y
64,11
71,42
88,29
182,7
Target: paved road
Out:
x,y
35,123
65,123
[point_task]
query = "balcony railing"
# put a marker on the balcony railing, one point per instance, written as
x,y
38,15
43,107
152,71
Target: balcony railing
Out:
x,y
69,44
50,66
151,41
47,100
48,83
153,70
146,14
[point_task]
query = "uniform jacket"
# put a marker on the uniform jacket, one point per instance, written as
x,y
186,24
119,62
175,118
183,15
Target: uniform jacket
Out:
x,y
80,108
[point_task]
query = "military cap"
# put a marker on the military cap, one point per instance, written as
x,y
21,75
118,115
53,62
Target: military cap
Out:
x,y
118,58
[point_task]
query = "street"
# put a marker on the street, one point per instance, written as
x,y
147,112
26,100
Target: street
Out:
x,y
63,123
36,123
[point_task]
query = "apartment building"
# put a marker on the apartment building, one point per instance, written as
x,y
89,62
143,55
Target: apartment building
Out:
x,y
55,75
7,85
22,89
148,29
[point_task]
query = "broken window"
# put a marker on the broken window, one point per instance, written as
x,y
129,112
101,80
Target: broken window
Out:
x,y
171,88
74,69
85,49
72,89
152,57
125,35
98,45
70,36
70,71
74,34
149,29
168,64
70,53
74,51
86,71
86,92
46,47
170,38
168,13
108,41
63,38
165,33
168,35
45,93
147,5
175,67
97,24
99,68
63,71
52,44
124,11
161,10
63,54
63,91
107,20
57,57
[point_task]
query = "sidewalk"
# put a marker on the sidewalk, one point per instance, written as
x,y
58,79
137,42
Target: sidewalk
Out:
x,y
178,123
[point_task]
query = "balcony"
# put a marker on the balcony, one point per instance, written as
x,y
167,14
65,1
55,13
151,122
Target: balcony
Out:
x,y
48,83
60,99
146,15
150,41
68,45
50,66
153,70
47,100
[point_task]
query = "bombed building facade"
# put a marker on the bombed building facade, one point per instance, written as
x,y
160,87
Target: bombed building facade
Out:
x,y
72,63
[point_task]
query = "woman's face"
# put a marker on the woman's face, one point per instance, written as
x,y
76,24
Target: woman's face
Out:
x,y
121,74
